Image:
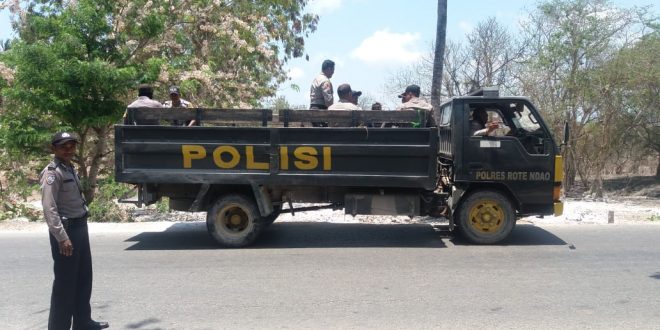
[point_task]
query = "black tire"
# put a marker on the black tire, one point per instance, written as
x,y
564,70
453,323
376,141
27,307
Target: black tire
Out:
x,y
269,219
485,217
234,221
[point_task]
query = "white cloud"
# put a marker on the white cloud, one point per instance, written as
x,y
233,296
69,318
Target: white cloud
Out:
x,y
324,6
384,46
296,73
465,26
504,15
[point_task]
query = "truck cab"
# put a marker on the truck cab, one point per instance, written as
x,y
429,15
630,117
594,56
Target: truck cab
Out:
x,y
513,171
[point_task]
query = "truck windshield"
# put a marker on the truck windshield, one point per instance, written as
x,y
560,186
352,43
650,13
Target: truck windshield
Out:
x,y
523,118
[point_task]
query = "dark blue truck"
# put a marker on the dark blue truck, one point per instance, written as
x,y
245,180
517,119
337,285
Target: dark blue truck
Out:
x,y
244,168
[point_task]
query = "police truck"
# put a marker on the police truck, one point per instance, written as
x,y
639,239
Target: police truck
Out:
x,y
245,167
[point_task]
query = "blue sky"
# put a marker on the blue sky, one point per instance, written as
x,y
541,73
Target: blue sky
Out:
x,y
371,39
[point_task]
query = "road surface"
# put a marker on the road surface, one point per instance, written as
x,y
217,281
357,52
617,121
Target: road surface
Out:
x,y
350,276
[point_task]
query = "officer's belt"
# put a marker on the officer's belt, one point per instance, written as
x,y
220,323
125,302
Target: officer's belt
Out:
x,y
74,222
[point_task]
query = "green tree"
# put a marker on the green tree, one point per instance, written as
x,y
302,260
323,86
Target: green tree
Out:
x,y
5,45
74,63
64,78
223,53
630,83
625,95
486,59
566,40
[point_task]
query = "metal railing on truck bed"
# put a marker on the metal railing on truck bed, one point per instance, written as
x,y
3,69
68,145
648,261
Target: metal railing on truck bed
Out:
x,y
267,117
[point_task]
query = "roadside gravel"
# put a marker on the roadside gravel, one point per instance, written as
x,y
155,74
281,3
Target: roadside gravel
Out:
x,y
576,212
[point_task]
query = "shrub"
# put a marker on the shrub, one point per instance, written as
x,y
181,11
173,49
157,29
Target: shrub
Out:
x,y
14,195
104,208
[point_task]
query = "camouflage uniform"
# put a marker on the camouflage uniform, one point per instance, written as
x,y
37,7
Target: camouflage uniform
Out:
x,y
415,103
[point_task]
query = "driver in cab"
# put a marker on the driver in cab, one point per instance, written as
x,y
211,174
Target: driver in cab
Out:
x,y
481,126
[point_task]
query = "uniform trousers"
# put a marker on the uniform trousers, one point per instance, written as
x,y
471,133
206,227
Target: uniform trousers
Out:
x,y
318,107
72,287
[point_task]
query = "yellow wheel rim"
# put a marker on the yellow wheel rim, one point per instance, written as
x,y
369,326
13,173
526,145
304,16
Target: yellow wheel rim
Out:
x,y
486,216
232,218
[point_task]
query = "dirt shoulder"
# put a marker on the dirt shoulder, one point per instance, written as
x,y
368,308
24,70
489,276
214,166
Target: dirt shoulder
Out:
x,y
631,200
576,212
624,211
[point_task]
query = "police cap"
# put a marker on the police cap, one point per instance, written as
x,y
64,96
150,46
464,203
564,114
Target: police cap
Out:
x,y
174,90
412,89
62,138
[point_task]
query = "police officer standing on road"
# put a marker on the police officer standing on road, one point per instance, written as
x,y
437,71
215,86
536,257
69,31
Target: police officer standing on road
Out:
x,y
65,212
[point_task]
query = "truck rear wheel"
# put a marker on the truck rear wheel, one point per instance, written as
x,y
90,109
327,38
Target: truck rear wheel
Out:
x,y
486,217
233,221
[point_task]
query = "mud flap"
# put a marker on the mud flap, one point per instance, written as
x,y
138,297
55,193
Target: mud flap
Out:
x,y
264,202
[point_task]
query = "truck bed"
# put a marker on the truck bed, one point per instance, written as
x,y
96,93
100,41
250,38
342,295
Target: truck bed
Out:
x,y
287,156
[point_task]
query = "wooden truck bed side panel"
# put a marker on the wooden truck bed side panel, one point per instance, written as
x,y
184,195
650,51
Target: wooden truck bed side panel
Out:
x,y
369,157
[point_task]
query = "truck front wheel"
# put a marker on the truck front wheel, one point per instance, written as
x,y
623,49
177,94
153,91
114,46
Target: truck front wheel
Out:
x,y
234,221
486,217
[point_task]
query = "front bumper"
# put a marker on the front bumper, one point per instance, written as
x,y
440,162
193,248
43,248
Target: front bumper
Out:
x,y
558,208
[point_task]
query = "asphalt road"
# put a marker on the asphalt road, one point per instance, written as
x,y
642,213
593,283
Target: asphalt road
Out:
x,y
352,276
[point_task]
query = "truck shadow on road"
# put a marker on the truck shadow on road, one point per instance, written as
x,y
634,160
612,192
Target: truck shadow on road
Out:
x,y
331,235
522,235
193,236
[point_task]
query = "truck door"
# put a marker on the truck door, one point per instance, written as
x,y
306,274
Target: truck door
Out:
x,y
518,155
